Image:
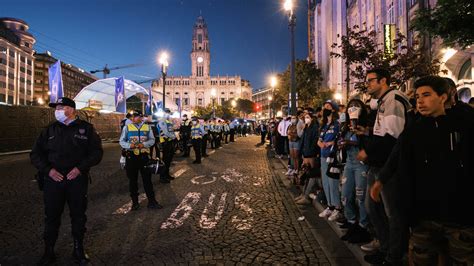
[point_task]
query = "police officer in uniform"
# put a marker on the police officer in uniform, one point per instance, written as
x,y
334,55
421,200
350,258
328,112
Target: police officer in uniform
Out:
x,y
136,139
205,138
64,153
185,131
197,131
167,137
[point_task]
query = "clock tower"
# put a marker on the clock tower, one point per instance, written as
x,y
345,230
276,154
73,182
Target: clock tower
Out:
x,y
200,55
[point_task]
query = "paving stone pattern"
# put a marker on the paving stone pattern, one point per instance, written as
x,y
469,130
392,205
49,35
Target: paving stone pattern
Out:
x,y
243,215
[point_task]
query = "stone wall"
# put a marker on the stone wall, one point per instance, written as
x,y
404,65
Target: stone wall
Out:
x,y
21,125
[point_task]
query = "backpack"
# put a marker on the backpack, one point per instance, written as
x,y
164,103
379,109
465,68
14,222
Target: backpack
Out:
x,y
292,133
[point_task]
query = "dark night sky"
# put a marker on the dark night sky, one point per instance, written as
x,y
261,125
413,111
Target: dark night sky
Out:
x,y
248,37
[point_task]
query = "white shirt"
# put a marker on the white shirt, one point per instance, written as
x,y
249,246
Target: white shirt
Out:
x,y
283,128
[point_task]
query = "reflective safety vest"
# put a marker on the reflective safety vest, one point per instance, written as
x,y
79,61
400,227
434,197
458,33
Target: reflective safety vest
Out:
x,y
196,132
138,135
169,126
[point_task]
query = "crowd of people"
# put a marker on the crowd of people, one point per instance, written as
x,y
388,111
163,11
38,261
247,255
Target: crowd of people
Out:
x,y
394,171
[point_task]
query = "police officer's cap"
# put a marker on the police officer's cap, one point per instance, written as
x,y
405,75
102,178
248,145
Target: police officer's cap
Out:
x,y
64,101
194,118
136,113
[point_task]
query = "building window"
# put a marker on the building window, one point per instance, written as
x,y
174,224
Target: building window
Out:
x,y
2,97
222,101
3,84
400,7
22,69
12,53
27,44
413,2
3,73
11,64
199,38
377,24
22,58
213,82
28,71
11,76
186,101
391,14
3,61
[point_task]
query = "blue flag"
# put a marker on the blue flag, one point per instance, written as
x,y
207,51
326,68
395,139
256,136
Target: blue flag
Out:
x,y
55,82
149,104
120,103
159,105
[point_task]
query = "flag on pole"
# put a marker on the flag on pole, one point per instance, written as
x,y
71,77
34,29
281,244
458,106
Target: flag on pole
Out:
x,y
55,82
149,104
159,105
120,103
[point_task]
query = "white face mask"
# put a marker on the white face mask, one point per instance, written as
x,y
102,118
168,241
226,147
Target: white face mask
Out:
x,y
293,121
307,120
60,116
374,104
194,122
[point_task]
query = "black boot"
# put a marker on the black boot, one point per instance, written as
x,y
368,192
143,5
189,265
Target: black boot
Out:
x,y
48,257
135,204
153,204
78,253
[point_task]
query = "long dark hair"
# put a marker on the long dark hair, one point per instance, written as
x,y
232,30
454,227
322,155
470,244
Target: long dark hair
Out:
x,y
334,115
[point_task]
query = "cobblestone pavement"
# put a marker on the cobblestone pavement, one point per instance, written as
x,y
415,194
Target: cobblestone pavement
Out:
x,y
231,209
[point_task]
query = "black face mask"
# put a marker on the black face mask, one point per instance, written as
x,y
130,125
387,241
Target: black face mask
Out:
x,y
326,112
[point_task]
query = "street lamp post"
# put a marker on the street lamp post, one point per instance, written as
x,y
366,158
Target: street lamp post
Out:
x,y
213,97
164,68
273,83
270,104
288,5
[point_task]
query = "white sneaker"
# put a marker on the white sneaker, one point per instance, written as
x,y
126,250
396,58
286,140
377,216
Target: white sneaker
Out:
x,y
289,171
371,246
335,215
326,213
312,196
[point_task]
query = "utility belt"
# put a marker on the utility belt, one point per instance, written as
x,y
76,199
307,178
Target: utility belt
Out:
x,y
135,153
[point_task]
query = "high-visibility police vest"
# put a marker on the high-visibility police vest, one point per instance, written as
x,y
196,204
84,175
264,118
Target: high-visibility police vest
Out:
x,y
196,132
138,135
169,126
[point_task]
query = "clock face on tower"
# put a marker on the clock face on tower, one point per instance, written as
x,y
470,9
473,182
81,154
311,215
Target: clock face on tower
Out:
x,y
200,59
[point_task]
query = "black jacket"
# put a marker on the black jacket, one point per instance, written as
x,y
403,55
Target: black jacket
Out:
x,y
436,163
309,143
64,147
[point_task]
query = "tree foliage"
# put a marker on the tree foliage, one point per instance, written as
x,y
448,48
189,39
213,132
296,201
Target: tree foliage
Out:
x,y
451,20
307,82
224,111
361,52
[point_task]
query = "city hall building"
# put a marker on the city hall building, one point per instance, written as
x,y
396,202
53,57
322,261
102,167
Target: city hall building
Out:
x,y
195,90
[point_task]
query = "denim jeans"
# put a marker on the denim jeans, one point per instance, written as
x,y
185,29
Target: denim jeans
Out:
x,y
330,186
353,192
388,218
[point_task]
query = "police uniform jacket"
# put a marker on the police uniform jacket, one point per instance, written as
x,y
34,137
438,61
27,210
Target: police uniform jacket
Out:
x,y
64,147
147,139
165,127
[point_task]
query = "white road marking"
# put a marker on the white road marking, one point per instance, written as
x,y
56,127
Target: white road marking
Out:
x,y
241,202
185,207
180,171
205,221
126,208
195,179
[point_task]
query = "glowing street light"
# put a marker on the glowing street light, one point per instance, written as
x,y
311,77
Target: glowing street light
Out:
x,y
233,103
40,101
338,97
